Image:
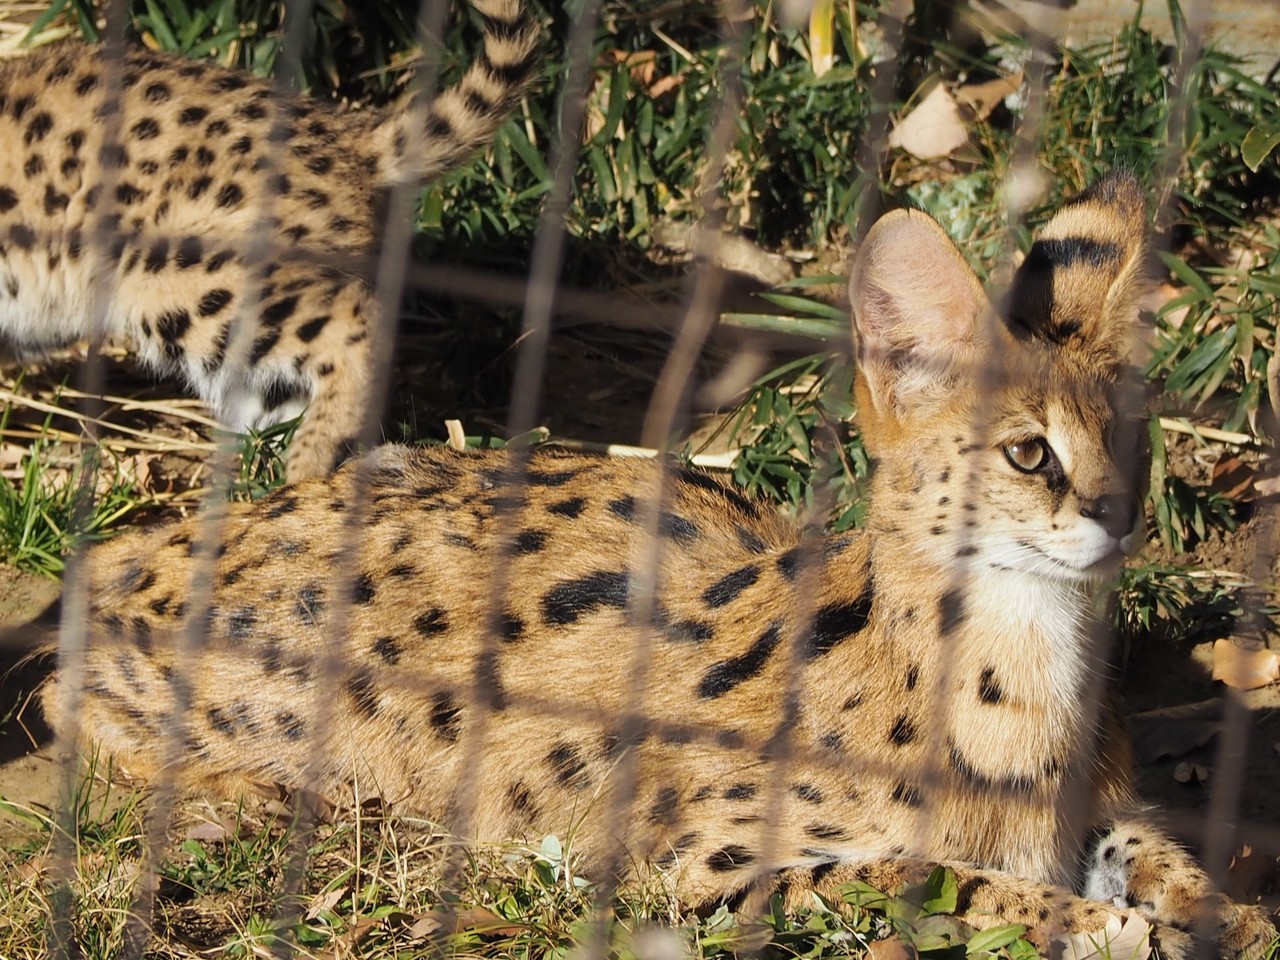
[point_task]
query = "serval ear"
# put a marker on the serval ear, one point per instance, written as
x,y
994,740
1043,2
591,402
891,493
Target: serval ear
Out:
x,y
1081,283
917,308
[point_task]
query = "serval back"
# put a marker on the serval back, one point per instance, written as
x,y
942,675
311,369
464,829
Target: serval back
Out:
x,y
165,203
807,713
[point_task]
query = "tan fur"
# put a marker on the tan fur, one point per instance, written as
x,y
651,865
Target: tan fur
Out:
x,y
219,198
861,707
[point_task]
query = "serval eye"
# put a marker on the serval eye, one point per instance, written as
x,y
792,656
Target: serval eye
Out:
x,y
1027,455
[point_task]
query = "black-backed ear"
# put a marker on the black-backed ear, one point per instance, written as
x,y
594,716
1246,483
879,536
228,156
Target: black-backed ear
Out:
x,y
917,306
1081,283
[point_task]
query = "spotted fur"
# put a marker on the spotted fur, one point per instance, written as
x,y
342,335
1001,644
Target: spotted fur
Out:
x,y
805,713
163,202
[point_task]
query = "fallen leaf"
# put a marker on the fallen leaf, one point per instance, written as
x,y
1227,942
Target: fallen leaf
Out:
x,y
1174,731
1127,939
981,98
1234,479
475,920
1270,485
891,948
933,128
457,436
1244,669
1250,875
325,902
822,33
207,832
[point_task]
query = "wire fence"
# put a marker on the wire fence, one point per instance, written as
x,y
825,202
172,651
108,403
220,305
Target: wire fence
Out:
x,y
634,708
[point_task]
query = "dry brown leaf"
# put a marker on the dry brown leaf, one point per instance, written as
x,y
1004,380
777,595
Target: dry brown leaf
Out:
x,y
891,948
324,902
665,85
1173,731
1250,874
933,128
1234,478
1244,669
475,920
34,868
208,832
981,98
1268,485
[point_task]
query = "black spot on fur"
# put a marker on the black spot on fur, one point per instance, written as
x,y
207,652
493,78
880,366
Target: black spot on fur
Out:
x,y
510,627
364,590
22,236
189,253
286,503
664,806
569,600
741,791
903,732
906,794
836,622
824,831
361,690
214,301
530,541
291,726
688,631
544,478
171,328
446,717
789,563
988,689
146,129
192,115
570,508
749,541
727,588
311,329
696,478
730,858
229,196
38,128
241,621
807,792
568,765
280,311
389,649
432,623
310,604
728,674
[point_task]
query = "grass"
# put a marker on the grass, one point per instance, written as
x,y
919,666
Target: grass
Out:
x,y
795,182
376,886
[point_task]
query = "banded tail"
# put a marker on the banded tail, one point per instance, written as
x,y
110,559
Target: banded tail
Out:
x,y
413,145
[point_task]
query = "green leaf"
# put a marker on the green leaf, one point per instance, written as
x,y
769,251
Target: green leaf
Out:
x,y
994,938
805,305
863,895
1258,143
1187,274
937,932
808,327
941,891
